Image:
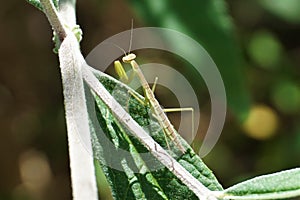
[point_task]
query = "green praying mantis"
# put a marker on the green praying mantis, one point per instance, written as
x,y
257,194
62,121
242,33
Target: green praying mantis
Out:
x,y
149,97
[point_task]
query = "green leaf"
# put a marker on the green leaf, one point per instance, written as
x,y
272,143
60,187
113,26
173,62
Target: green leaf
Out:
x,y
280,185
109,144
209,24
37,3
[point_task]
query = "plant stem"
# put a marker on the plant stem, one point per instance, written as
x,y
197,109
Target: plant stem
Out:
x,y
80,148
81,160
67,11
54,19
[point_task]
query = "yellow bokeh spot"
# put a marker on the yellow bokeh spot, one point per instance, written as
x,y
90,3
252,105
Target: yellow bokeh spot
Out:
x,y
261,123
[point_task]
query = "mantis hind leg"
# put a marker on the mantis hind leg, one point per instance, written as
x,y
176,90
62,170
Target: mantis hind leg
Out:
x,y
189,109
154,84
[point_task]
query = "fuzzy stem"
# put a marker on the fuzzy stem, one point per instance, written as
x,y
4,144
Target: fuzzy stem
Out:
x,y
81,160
54,19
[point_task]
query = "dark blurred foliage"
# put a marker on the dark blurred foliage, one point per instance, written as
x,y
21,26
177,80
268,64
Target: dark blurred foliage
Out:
x,y
34,146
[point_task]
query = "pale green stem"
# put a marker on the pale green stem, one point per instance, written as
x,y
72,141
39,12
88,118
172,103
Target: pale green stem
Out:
x,y
54,19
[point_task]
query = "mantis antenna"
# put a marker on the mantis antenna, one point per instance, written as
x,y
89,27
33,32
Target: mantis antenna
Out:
x,y
131,36
130,56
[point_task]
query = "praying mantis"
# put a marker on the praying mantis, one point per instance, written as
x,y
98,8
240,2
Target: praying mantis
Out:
x,y
150,97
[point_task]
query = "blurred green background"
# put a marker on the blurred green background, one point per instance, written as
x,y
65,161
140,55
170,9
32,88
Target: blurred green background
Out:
x,y
255,44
